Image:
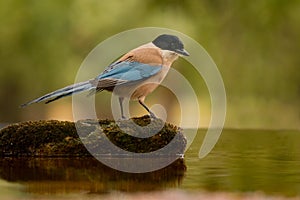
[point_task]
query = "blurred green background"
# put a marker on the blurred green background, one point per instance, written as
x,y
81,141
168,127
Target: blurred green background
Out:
x,y
255,44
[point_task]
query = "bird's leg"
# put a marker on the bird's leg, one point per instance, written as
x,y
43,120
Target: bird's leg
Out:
x,y
152,115
121,106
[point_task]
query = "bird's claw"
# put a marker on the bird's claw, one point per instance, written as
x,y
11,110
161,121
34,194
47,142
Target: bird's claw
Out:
x,y
152,115
124,118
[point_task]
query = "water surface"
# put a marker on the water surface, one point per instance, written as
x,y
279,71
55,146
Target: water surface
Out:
x,y
242,162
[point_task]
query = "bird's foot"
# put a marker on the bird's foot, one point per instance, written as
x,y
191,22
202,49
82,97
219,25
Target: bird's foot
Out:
x,y
123,117
152,115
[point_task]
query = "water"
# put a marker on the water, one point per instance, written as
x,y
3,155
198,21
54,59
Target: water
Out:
x,y
249,160
243,162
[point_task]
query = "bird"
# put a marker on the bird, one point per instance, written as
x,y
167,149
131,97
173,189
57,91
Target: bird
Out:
x,y
134,75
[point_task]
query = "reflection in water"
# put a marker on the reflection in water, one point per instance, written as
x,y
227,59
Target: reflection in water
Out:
x,y
69,175
247,160
243,161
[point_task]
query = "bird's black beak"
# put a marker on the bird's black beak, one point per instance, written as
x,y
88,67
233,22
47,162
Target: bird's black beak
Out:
x,y
182,52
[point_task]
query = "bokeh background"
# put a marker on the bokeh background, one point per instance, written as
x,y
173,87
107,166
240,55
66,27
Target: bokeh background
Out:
x,y
255,44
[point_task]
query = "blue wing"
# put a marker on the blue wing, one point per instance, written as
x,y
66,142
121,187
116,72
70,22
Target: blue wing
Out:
x,y
125,72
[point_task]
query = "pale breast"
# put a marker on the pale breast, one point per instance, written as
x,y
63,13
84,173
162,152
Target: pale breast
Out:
x,y
146,87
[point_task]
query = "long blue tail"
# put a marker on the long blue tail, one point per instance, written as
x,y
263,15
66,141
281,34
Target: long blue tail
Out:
x,y
63,92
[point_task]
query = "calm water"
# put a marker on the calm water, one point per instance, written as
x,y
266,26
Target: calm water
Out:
x,y
243,161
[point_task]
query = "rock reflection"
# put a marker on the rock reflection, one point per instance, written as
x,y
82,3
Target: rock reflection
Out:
x,y
84,175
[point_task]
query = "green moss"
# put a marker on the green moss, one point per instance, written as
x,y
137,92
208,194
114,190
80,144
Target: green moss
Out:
x,y
60,138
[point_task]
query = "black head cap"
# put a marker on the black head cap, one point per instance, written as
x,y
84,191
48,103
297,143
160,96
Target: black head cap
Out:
x,y
171,43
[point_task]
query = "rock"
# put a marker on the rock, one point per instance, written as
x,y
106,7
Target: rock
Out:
x,y
54,138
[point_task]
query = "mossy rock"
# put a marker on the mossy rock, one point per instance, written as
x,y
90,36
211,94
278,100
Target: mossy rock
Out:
x,y
60,138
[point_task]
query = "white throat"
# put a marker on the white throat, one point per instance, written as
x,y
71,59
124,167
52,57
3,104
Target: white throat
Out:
x,y
169,56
